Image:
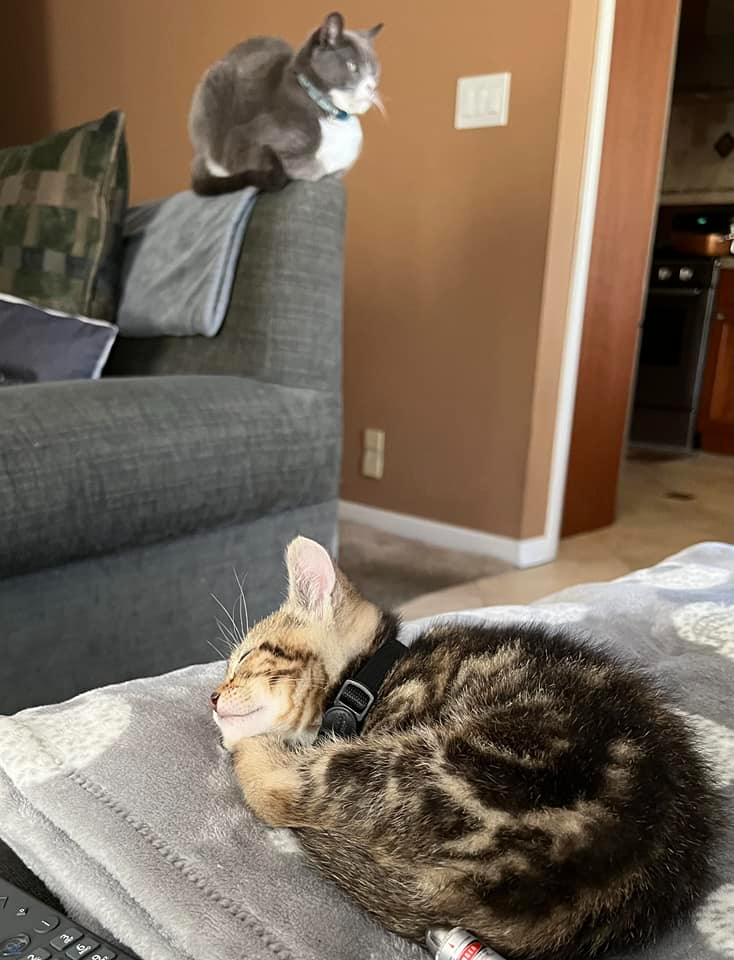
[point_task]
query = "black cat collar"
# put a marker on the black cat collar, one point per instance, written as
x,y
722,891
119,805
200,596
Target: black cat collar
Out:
x,y
357,695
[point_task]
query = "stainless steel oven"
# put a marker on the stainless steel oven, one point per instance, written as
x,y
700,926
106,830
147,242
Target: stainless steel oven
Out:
x,y
672,352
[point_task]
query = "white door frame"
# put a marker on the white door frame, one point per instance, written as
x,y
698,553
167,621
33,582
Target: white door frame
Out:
x,y
595,123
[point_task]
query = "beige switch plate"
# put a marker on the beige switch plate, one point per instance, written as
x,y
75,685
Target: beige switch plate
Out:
x,y
373,454
482,101
373,464
374,439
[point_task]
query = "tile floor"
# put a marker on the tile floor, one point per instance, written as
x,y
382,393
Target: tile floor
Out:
x,y
651,525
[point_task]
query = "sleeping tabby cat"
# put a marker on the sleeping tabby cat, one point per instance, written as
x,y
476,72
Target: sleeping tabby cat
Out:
x,y
510,780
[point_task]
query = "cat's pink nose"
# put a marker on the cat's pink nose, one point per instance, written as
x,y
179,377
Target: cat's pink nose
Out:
x,y
214,698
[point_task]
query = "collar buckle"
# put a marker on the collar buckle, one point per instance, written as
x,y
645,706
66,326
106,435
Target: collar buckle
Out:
x,y
358,693
351,705
355,697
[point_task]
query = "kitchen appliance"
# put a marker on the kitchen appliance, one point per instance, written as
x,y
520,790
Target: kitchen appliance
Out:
x,y
709,234
704,244
672,352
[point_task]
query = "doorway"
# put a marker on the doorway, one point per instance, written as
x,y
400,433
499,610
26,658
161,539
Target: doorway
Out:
x,y
657,166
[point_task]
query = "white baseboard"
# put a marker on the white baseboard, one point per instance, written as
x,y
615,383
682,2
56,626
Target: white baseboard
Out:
x,y
530,552
534,551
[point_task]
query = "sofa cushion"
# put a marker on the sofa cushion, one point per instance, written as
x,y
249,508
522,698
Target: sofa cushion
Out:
x,y
62,203
180,255
38,344
92,467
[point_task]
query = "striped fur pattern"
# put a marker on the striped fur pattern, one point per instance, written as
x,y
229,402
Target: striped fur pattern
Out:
x,y
514,781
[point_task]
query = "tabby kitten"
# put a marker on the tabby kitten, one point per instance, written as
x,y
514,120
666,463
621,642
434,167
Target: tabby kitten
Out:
x,y
264,114
509,779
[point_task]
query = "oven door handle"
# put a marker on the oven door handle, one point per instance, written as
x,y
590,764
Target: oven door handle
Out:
x,y
672,292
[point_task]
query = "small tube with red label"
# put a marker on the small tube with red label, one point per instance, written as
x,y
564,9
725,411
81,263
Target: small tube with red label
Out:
x,y
457,944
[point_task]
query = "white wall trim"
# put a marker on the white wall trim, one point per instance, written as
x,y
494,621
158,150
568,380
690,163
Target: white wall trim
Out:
x,y
595,123
520,553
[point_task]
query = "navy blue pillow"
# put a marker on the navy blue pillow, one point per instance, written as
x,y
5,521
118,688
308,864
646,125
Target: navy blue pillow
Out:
x,y
38,344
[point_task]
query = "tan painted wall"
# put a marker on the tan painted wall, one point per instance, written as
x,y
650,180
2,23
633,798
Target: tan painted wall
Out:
x,y
447,230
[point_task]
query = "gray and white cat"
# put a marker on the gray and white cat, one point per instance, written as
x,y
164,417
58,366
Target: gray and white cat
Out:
x,y
264,115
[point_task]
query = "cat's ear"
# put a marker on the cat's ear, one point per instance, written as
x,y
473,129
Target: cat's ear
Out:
x,y
311,575
372,32
331,30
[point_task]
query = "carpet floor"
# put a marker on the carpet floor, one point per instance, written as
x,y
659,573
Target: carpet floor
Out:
x,y
390,570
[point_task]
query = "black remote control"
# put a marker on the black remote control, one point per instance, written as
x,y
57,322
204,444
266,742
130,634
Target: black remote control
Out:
x,y
29,930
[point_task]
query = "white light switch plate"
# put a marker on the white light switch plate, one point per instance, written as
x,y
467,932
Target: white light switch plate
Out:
x,y
482,101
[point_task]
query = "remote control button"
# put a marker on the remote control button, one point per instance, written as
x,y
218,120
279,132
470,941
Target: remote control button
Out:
x,y
15,946
81,949
21,912
104,953
38,954
45,924
64,939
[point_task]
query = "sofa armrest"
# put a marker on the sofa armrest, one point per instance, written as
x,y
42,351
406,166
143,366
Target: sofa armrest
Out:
x,y
89,468
285,315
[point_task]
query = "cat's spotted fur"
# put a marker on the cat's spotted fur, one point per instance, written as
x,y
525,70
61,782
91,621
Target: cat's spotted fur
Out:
x,y
510,780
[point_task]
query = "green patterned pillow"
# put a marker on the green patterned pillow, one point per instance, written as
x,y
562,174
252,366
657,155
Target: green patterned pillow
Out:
x,y
62,205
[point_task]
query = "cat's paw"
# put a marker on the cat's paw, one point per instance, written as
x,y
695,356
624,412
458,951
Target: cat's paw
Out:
x,y
285,841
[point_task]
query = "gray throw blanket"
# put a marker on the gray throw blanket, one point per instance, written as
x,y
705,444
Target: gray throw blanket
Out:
x,y
122,801
180,258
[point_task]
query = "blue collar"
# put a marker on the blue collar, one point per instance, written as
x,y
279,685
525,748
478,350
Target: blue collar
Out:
x,y
320,99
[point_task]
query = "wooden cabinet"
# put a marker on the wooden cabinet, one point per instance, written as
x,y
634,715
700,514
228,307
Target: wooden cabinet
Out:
x,y
716,410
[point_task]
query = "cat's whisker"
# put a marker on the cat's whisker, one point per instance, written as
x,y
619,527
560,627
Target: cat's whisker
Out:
x,y
229,615
240,630
226,629
243,601
226,635
377,101
216,649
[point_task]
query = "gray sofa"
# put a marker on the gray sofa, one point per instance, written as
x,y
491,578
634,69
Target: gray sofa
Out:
x,y
125,503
